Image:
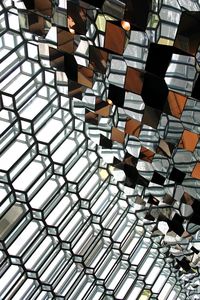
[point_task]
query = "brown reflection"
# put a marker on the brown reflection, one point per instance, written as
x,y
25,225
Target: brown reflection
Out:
x,y
188,37
188,140
44,6
151,117
76,18
98,59
115,38
65,40
91,118
117,135
134,80
187,199
146,154
99,103
130,160
36,24
196,171
75,89
133,127
85,76
104,112
56,59
164,148
176,103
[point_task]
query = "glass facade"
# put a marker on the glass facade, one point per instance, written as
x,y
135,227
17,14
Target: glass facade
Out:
x,y
100,161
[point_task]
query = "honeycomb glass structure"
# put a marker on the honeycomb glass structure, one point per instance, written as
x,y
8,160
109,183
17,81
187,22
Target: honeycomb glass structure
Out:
x,y
100,149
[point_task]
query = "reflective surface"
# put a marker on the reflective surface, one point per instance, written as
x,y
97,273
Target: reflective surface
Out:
x,y
99,166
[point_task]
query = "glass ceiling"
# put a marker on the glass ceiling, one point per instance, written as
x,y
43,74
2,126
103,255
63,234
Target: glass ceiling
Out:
x,y
100,149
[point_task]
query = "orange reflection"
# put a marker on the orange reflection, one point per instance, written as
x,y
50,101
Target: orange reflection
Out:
x,y
176,103
196,171
117,135
125,25
146,154
104,112
189,140
133,127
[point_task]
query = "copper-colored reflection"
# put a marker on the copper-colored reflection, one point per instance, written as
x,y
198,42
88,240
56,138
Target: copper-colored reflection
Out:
x,y
151,116
76,18
104,112
36,24
56,59
146,154
133,127
65,41
75,89
99,103
176,103
85,76
117,135
115,38
91,118
196,171
102,108
188,37
134,80
110,102
43,6
98,59
187,199
125,25
188,140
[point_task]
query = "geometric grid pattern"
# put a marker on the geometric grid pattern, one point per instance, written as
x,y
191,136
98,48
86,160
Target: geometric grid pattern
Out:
x,y
74,224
